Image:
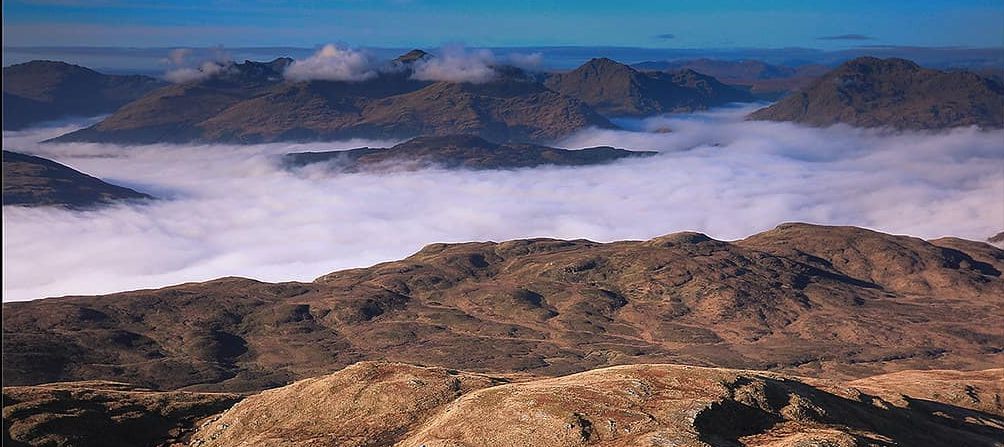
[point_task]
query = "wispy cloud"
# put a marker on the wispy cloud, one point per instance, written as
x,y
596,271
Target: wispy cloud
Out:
x,y
457,64
334,63
846,37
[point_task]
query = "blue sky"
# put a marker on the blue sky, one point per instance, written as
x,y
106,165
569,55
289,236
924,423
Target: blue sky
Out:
x,y
406,23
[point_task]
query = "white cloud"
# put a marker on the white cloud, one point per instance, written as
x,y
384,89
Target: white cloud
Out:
x,y
232,211
457,64
178,56
332,63
186,74
525,61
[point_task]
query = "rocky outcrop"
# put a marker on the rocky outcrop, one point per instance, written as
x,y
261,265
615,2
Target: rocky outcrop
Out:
x,y
376,404
104,414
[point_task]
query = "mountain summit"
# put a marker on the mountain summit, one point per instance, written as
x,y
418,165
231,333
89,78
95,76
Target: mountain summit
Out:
x,y
897,93
615,89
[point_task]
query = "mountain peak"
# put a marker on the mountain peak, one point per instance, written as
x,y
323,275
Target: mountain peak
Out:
x,y
412,56
896,93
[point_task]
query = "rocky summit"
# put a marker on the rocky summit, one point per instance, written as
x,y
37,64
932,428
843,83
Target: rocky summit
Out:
x,y
895,93
36,181
836,302
456,152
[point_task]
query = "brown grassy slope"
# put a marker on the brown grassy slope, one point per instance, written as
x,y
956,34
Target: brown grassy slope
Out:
x,y
820,301
380,404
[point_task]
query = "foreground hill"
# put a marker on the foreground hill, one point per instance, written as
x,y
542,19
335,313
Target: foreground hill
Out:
x,y
39,91
764,80
383,404
370,404
615,89
252,103
897,93
35,181
457,151
838,302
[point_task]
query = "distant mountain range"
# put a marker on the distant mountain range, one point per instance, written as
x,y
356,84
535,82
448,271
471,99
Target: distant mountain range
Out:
x,y
456,151
615,89
896,93
40,91
246,105
252,102
764,80
36,181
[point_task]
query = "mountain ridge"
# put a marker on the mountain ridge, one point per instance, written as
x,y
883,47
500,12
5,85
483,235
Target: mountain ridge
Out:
x,y
544,306
39,91
896,93
456,152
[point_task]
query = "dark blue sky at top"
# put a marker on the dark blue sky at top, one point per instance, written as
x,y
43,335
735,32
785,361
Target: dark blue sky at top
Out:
x,y
407,23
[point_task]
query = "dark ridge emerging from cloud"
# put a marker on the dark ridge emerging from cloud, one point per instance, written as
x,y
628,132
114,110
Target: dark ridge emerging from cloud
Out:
x,y
846,37
666,36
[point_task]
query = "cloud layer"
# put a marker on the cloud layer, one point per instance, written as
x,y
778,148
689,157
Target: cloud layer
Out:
x,y
231,211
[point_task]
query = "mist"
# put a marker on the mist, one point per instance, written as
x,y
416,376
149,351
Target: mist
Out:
x,y
231,210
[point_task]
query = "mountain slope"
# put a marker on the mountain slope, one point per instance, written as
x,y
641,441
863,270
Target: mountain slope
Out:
x,y
456,151
870,92
883,303
39,91
615,89
377,404
35,181
764,80
511,108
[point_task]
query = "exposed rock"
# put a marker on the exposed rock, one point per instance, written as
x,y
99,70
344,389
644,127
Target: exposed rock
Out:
x,y
104,414
379,404
35,181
